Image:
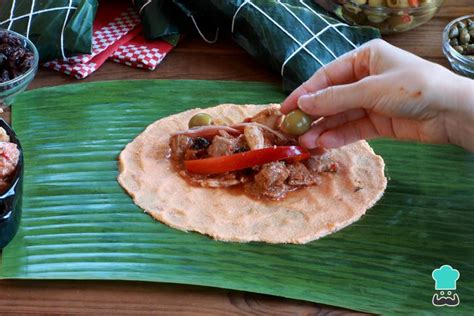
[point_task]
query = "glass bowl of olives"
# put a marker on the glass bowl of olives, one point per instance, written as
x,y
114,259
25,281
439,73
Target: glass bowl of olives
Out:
x,y
458,45
389,16
18,64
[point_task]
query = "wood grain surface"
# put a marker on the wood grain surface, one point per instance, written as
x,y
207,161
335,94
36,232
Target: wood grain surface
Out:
x,y
192,59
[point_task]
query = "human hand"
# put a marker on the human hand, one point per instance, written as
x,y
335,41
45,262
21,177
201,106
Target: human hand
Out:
x,y
379,90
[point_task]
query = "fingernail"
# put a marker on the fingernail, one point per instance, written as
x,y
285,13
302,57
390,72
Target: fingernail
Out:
x,y
307,141
306,101
329,140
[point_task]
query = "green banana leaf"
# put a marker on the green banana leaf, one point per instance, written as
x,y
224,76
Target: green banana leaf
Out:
x,y
79,224
58,28
293,37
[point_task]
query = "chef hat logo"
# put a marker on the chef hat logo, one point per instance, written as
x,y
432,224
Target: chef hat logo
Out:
x,y
445,277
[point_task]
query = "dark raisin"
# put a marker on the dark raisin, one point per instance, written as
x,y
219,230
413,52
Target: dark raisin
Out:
x,y
14,41
7,50
25,64
17,54
200,143
14,58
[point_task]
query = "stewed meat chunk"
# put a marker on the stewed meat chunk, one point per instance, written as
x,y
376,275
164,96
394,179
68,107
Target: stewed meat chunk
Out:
x,y
270,117
254,137
9,157
301,176
179,144
269,182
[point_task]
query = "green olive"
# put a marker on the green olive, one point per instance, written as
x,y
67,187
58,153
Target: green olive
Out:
x,y
376,18
296,123
454,32
200,119
459,49
464,37
469,49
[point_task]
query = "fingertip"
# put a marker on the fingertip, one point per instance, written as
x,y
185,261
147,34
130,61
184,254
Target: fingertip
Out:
x,y
330,140
305,102
308,141
288,105
291,102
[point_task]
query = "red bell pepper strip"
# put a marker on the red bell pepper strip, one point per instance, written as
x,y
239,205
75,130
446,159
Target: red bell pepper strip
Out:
x,y
244,160
413,3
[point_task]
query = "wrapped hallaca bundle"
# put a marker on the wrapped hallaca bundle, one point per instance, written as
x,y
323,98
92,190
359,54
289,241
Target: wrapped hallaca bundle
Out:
x,y
58,28
294,37
161,19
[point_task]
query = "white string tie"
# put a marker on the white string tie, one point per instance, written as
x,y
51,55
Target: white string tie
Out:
x,y
202,35
143,6
13,19
64,26
12,11
237,12
322,18
29,18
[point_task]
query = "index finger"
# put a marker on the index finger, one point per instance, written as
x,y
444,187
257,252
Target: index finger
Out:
x,y
340,71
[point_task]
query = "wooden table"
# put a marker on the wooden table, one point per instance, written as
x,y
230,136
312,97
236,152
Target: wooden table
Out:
x,y
192,59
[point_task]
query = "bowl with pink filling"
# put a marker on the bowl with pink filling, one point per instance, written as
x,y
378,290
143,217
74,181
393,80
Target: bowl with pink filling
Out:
x,y
11,183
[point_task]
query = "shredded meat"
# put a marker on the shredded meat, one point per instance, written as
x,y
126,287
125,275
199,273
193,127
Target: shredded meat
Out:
x,y
198,149
271,117
3,135
9,156
301,176
254,137
269,181
179,144
222,146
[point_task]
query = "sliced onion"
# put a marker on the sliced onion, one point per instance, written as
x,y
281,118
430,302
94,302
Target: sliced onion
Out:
x,y
281,136
208,131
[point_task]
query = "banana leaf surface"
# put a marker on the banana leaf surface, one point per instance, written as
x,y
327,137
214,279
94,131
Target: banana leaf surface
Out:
x,y
79,224
58,28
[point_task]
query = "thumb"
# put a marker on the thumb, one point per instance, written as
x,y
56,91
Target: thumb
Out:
x,y
336,99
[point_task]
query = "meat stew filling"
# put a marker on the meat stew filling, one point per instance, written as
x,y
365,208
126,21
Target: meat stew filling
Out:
x,y
257,136
9,158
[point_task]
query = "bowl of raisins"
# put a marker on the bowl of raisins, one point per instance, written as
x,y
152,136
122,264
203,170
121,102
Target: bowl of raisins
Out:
x,y
18,65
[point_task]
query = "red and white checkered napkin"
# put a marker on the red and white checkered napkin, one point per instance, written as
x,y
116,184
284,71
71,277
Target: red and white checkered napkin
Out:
x,y
140,53
113,26
109,34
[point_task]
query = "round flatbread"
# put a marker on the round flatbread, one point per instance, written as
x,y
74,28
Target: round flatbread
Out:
x,y
147,174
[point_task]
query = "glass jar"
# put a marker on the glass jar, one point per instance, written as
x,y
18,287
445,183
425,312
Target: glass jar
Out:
x,y
461,64
11,197
11,88
389,16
